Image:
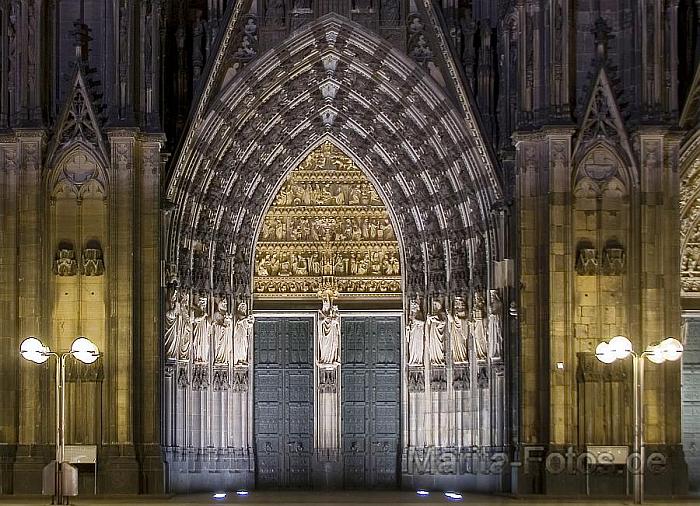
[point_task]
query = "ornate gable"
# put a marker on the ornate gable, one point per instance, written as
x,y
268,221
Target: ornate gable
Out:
x,y
78,124
602,119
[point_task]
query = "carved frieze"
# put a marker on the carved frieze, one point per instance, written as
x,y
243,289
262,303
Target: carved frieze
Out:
x,y
220,379
327,224
200,377
328,380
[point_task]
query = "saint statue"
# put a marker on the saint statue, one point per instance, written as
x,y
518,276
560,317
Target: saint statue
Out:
x,y
171,337
328,334
223,333
415,333
459,331
435,326
242,334
201,325
185,327
478,327
495,327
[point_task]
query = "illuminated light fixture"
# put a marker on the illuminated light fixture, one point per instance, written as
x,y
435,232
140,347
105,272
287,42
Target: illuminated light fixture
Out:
x,y
620,346
85,350
34,350
242,492
671,349
560,366
604,353
453,496
422,493
220,495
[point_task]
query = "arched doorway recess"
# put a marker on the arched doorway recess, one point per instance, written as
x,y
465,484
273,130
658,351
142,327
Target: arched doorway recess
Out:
x,y
335,80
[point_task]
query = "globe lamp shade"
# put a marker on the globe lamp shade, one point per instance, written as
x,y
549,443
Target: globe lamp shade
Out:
x,y
655,354
671,349
85,350
34,350
620,346
605,354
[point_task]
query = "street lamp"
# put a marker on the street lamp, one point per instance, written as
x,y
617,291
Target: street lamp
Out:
x,y
85,351
619,348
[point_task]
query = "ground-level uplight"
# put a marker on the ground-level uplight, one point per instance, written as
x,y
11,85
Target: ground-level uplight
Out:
x,y
220,495
619,348
242,492
453,496
422,493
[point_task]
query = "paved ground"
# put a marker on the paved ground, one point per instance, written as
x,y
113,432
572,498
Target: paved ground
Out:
x,y
341,498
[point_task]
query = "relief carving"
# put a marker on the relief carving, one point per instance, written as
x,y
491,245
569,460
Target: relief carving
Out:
x,y
460,378
327,221
93,265
614,261
65,263
416,379
587,262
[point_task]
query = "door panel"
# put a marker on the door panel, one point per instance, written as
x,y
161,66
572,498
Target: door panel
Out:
x,y
283,393
371,400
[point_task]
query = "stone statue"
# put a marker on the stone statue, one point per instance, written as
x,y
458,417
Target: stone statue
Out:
x,y
495,324
328,334
459,331
435,330
223,333
242,334
415,333
185,327
201,325
171,337
93,265
478,327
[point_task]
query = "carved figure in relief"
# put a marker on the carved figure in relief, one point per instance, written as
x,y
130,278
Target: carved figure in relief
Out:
x,y
93,264
242,334
587,262
478,327
185,327
171,335
201,326
495,324
66,265
459,332
328,334
435,330
415,333
223,332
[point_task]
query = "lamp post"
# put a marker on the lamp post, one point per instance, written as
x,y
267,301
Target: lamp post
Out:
x,y
619,348
85,351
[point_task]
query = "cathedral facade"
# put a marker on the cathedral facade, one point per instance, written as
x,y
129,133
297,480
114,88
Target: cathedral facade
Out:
x,y
337,244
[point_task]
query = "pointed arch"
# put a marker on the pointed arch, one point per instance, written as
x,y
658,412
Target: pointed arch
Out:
x,y
333,78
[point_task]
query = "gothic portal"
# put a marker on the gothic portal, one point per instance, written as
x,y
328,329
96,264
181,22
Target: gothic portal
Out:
x,y
348,243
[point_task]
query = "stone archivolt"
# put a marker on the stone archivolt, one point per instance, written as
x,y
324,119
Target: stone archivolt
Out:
x,y
386,111
327,226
